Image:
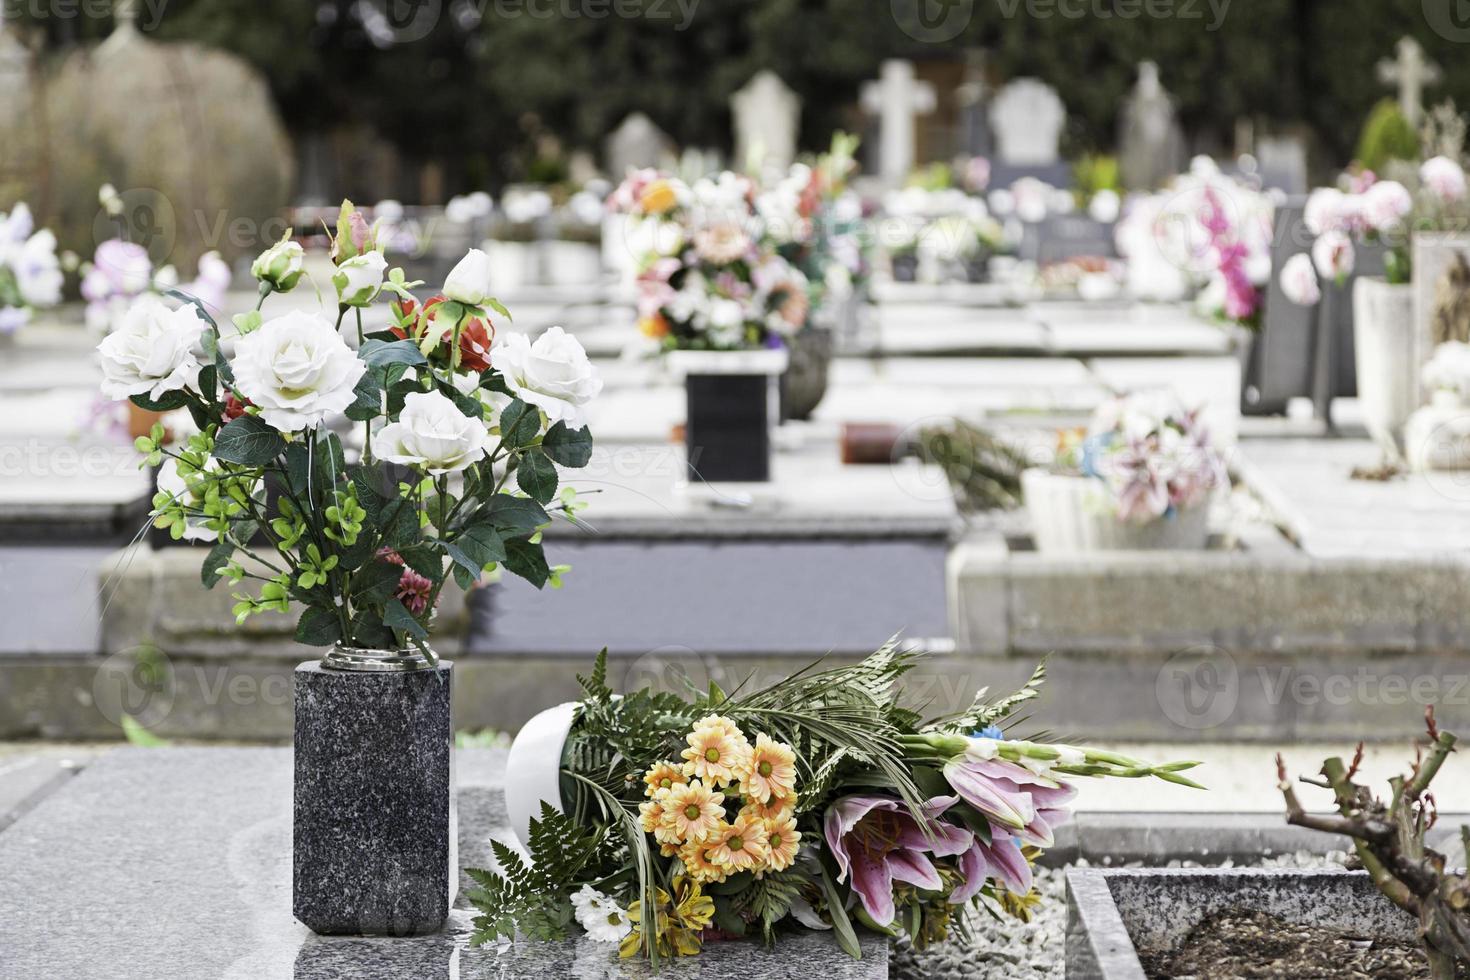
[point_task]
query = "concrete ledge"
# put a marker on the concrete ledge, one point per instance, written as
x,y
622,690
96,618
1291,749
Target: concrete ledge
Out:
x,y
1112,913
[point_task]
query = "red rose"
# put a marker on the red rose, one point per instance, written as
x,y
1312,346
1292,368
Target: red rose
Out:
x,y
234,408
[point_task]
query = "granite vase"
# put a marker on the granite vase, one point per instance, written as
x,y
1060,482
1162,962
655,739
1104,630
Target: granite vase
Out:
x,y
733,404
374,830
1388,360
1074,515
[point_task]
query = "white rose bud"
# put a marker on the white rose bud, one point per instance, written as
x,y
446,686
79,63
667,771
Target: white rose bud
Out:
x,y
1333,255
298,370
281,265
553,374
360,278
152,351
469,281
433,433
1299,280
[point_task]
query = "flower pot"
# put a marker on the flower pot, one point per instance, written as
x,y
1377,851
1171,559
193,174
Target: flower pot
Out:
x,y
141,420
805,381
513,264
1388,360
533,767
1074,514
374,818
733,401
905,267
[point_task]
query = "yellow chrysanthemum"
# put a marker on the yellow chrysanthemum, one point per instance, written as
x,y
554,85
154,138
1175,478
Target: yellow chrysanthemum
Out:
x,y
658,197
692,811
654,819
654,326
664,775
776,808
716,749
739,846
695,857
782,842
768,770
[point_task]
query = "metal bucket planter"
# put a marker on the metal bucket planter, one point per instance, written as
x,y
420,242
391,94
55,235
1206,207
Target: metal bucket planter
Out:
x,y
733,404
1075,515
805,382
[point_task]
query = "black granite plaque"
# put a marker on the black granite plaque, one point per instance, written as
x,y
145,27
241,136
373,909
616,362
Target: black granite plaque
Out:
x,y
374,804
727,433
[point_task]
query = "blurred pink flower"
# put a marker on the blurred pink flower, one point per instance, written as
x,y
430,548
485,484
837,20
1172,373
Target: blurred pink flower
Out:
x,y
876,841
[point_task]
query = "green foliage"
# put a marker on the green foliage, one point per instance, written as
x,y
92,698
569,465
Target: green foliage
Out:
x,y
533,898
985,711
1387,136
984,470
767,900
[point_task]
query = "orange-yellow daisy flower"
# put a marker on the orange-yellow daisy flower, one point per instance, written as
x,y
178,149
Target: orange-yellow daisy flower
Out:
x,y
695,856
739,846
658,197
654,819
782,842
692,811
775,808
716,749
664,775
768,770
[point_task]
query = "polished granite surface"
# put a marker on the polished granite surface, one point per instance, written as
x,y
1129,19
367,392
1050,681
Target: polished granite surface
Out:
x,y
176,863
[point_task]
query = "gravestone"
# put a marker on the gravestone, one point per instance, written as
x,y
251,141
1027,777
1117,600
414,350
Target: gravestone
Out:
x,y
636,143
1282,164
971,97
767,117
895,98
1411,71
1069,236
1027,117
1151,145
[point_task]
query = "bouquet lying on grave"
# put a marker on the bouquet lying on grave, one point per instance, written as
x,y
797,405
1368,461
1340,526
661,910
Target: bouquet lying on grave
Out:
x,y
354,479
816,802
1155,457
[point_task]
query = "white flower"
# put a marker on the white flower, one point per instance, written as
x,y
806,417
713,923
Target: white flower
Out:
x,y
553,374
1299,280
1449,369
433,433
360,278
152,351
982,749
1333,255
726,322
297,369
604,920
1105,206
1328,209
1444,177
1385,204
469,280
281,265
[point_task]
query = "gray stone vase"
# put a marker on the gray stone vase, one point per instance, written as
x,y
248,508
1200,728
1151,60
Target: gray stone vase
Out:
x,y
374,819
804,384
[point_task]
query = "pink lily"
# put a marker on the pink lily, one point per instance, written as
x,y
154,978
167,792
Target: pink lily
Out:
x,y
1001,857
1028,805
876,841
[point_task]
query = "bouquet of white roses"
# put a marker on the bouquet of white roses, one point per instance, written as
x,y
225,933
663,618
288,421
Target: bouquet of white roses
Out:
x,y
458,470
818,802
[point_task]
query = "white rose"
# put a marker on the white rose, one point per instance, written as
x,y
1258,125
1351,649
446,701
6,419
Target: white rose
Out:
x,y
1327,209
469,281
297,369
152,351
433,433
1299,280
38,270
280,265
553,374
360,278
1333,255
1444,177
1385,204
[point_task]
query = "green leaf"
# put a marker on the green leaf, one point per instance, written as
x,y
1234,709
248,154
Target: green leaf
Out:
x,y
520,424
528,561
194,302
369,400
498,307
396,616
376,353
517,515
248,441
170,401
841,926
318,628
536,475
481,544
219,556
569,447
376,582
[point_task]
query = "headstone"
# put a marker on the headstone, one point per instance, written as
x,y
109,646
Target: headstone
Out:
x,y
1411,71
1282,163
895,98
1027,118
1151,145
636,143
767,118
971,96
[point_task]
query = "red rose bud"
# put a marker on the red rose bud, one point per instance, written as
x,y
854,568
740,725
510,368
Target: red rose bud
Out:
x,y
405,318
474,345
234,408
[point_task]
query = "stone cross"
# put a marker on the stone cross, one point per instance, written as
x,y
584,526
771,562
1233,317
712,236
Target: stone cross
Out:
x,y
767,118
895,98
1411,71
